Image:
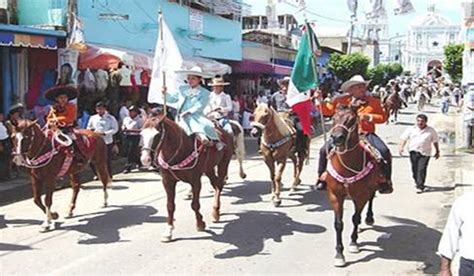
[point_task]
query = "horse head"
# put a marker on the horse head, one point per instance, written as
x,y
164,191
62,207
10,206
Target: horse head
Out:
x,y
25,140
345,124
261,116
151,134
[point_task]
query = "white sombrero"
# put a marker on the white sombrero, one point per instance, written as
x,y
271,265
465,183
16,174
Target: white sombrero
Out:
x,y
355,80
218,82
194,71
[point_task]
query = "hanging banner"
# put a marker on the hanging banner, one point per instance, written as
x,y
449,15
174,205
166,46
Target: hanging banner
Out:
x,y
67,66
403,7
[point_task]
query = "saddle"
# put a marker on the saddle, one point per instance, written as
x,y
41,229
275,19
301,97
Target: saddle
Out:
x,y
85,142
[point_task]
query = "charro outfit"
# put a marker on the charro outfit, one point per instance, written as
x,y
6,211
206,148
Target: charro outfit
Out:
x,y
373,108
222,101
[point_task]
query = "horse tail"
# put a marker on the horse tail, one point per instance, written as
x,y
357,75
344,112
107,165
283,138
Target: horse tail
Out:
x,y
239,147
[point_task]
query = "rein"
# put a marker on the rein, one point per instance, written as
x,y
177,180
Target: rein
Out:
x,y
279,143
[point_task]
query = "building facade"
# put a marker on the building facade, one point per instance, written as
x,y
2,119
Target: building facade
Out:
x,y
468,36
426,39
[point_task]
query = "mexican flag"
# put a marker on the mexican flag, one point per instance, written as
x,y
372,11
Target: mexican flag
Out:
x,y
304,77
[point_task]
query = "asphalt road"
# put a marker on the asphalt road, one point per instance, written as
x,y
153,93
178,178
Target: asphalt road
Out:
x,y
253,236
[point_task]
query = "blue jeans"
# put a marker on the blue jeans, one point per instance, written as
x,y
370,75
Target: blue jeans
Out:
x,y
444,107
224,124
468,134
466,267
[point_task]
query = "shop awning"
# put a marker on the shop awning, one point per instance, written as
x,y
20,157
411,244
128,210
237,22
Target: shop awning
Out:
x,y
248,66
100,56
23,36
104,57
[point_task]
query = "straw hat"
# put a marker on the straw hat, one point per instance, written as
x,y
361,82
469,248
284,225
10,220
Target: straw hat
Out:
x,y
218,82
285,80
69,91
355,80
194,71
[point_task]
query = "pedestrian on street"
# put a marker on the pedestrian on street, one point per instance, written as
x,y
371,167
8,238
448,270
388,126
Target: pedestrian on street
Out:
x,y
468,114
106,125
445,102
420,139
131,127
458,235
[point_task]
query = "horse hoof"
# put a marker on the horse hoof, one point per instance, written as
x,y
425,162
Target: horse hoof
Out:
x,y
243,175
339,262
166,239
277,202
369,221
215,217
105,205
201,227
354,248
54,215
45,229
69,215
296,182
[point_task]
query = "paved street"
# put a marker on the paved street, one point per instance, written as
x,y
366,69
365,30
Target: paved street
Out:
x,y
253,236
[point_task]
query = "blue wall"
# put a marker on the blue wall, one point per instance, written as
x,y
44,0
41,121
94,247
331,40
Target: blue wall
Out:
x,y
222,37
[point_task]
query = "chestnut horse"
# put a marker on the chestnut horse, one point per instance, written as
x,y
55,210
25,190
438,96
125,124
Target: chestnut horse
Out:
x,y
47,158
182,158
351,171
392,104
279,142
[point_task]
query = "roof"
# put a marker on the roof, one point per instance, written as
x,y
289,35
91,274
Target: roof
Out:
x,y
31,30
432,18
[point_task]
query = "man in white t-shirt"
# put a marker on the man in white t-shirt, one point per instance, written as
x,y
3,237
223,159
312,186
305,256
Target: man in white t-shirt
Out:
x,y
468,116
420,139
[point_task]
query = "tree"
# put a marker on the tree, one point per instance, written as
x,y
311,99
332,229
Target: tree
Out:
x,y
382,73
453,61
346,66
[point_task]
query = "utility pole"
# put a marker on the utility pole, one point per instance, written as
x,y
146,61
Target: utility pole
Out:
x,y
353,20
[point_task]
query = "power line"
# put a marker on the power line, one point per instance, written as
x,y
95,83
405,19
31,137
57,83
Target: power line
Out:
x,y
316,14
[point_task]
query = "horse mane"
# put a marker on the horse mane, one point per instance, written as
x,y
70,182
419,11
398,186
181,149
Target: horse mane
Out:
x,y
279,123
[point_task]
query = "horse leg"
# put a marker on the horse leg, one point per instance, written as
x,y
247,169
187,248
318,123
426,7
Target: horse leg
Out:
x,y
217,195
353,246
170,188
75,191
296,172
369,219
240,153
48,201
195,205
100,163
37,190
337,205
271,168
279,172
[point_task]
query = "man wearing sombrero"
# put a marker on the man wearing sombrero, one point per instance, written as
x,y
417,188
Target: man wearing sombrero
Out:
x,y
370,113
220,104
63,114
190,101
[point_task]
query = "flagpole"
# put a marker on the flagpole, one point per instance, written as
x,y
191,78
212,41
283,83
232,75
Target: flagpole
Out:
x,y
165,111
320,102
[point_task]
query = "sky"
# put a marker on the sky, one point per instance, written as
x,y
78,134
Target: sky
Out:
x,y
337,9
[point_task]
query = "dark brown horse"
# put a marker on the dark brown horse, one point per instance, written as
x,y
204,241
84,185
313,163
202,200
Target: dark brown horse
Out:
x,y
351,171
279,142
46,156
392,104
183,158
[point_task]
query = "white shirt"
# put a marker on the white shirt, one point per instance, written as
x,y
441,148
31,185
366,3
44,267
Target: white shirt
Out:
x,y
126,74
130,124
123,113
3,131
106,124
420,139
458,235
221,100
468,101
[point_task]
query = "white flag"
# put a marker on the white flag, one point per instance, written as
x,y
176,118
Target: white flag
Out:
x,y
167,59
376,9
352,5
403,7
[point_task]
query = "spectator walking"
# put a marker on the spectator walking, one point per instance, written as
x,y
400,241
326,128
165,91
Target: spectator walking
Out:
x,y
131,127
458,235
468,116
445,102
420,139
5,150
106,125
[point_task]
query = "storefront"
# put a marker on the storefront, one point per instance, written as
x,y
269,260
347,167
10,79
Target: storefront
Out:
x,y
28,65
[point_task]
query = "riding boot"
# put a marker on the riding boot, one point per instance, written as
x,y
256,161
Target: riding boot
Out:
x,y
386,186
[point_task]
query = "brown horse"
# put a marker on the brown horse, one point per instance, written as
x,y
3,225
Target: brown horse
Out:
x,y
392,104
352,171
279,142
182,158
47,157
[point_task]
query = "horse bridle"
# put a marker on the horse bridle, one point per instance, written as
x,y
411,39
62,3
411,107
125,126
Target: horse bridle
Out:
x,y
346,142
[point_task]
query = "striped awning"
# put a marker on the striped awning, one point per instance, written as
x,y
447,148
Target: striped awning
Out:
x,y
22,36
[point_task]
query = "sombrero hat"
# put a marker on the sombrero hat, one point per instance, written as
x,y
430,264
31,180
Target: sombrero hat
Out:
x,y
53,92
218,82
285,80
355,80
194,71
15,108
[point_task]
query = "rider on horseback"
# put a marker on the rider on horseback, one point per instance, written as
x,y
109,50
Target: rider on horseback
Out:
x,y
62,115
370,113
191,99
220,104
